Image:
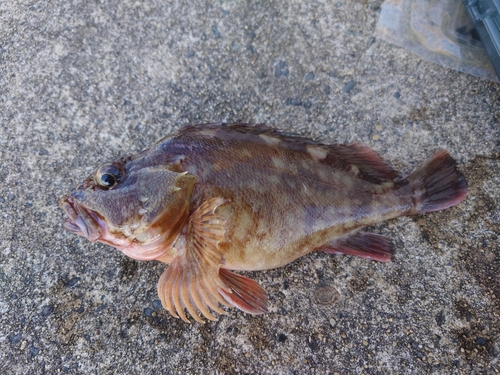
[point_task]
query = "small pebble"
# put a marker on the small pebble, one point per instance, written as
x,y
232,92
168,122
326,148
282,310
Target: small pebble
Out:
x,y
480,341
72,282
348,87
295,102
34,351
309,77
16,338
216,32
47,310
326,295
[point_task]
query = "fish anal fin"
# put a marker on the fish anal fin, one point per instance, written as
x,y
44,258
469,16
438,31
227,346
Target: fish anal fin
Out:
x,y
363,245
192,282
246,294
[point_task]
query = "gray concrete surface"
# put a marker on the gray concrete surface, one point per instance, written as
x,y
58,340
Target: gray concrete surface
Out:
x,y
83,82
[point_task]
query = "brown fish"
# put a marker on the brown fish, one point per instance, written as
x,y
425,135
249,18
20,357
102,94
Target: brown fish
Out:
x,y
216,197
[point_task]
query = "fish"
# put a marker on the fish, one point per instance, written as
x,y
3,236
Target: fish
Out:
x,y
212,200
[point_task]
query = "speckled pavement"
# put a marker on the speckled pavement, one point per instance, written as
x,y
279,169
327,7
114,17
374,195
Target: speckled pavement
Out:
x,y
83,82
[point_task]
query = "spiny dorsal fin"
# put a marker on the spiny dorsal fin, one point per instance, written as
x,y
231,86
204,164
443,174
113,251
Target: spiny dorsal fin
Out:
x,y
354,158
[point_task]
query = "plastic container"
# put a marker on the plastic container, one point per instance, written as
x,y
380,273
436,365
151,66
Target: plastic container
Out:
x,y
440,31
485,15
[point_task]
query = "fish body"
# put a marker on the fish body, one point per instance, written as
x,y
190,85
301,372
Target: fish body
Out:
x,y
215,197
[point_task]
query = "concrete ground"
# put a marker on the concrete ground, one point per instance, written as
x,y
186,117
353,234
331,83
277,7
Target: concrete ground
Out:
x,y
84,82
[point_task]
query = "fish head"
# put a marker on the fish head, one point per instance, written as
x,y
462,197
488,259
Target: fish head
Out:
x,y
139,209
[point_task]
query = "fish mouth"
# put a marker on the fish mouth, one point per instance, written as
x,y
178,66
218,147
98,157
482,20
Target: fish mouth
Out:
x,y
80,220
89,224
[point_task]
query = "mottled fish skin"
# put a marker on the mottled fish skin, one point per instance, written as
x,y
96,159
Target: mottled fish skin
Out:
x,y
285,198
241,197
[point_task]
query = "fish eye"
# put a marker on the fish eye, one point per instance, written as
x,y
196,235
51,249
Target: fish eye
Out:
x,y
108,176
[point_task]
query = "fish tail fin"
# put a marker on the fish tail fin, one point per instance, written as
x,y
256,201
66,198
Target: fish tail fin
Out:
x,y
437,184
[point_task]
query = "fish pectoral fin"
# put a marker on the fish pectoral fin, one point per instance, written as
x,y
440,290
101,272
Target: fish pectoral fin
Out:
x,y
194,288
246,294
363,245
192,280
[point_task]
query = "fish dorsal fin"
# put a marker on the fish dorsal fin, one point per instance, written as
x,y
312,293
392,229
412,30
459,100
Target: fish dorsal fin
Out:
x,y
194,280
361,160
354,158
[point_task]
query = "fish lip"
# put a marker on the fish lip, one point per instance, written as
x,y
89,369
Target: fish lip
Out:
x,y
89,224
80,220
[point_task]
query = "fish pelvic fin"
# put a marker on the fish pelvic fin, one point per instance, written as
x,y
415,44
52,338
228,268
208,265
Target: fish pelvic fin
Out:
x,y
437,184
192,281
363,245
